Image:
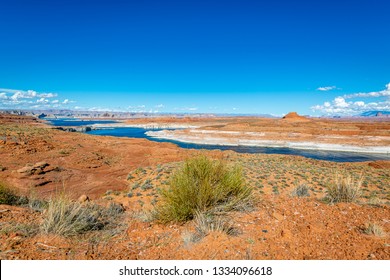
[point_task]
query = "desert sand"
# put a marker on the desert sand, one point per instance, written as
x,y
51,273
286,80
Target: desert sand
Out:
x,y
39,161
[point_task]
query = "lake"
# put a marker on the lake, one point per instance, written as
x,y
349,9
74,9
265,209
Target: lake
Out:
x,y
76,122
314,154
132,132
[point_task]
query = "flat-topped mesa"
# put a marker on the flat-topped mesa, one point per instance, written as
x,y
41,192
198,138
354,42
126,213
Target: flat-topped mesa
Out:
x,y
293,116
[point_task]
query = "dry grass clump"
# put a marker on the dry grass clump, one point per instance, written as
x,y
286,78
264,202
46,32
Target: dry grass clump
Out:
x,y
21,229
67,218
206,223
344,188
374,229
7,196
202,184
300,191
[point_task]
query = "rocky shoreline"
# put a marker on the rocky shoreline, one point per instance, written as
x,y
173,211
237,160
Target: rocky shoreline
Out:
x,y
211,139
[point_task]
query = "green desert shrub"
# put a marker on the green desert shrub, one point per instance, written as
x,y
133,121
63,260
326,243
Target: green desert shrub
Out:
x,y
344,188
7,196
67,218
202,184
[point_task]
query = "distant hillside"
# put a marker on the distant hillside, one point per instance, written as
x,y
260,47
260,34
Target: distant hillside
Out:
x,y
374,113
293,116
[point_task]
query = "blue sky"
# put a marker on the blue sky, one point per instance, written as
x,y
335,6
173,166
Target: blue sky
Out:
x,y
215,56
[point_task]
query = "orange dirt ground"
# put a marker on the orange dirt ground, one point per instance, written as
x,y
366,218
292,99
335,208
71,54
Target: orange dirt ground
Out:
x,y
291,128
39,161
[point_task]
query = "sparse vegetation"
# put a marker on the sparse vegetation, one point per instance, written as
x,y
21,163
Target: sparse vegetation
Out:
x,y
7,196
68,218
300,191
202,184
207,222
37,204
189,238
136,234
22,229
344,188
143,216
374,229
147,185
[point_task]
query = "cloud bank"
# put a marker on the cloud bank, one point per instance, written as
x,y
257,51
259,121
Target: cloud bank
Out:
x,y
30,99
345,105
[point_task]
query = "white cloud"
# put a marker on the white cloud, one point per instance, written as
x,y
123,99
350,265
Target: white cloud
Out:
x,y
381,93
359,103
186,108
43,100
20,94
100,109
48,95
10,91
160,106
23,94
339,102
67,101
341,106
326,88
23,99
137,109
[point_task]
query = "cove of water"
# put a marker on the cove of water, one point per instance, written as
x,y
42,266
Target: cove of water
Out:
x,y
314,154
77,122
132,132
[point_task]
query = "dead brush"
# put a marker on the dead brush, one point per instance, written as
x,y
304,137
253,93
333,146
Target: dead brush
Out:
x,y
208,222
68,218
344,188
301,190
374,229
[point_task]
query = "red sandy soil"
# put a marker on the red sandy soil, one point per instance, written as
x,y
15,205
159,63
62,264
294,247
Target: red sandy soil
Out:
x,y
80,163
279,227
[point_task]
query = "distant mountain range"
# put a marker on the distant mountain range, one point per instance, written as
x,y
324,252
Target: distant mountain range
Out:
x,y
374,113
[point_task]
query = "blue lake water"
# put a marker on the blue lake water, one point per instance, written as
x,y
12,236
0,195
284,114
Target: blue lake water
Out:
x,y
320,155
77,122
140,133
